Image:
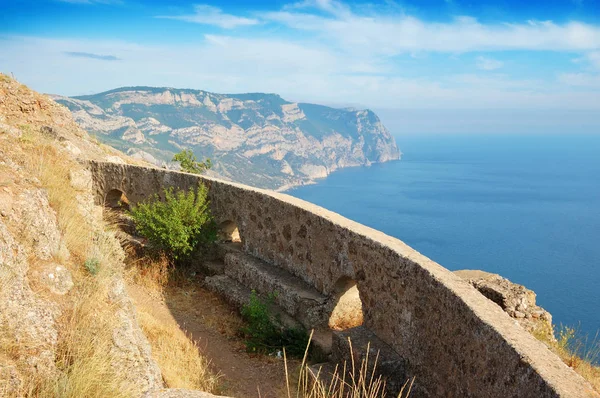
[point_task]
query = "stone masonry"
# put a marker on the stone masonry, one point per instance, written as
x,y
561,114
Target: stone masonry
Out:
x,y
455,341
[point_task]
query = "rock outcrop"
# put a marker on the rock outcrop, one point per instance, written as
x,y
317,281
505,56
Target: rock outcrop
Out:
x,y
258,139
516,300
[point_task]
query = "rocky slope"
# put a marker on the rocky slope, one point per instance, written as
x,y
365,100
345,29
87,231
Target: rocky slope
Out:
x,y
258,139
46,214
64,330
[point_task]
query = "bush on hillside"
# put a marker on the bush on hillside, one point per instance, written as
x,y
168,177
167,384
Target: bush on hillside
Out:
x,y
178,224
263,333
189,163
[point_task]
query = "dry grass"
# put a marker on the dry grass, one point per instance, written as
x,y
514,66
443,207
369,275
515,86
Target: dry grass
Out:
x,y
83,354
45,162
84,357
184,293
349,381
9,347
150,273
580,354
177,356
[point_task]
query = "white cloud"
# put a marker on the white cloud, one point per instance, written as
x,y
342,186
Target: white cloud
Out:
x,y
485,63
389,31
209,15
393,34
332,7
297,71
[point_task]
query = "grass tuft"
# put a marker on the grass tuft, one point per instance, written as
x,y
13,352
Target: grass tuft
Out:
x,y
348,381
577,351
151,272
580,353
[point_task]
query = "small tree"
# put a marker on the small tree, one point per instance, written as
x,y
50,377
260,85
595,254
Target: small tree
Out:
x,y
178,224
189,163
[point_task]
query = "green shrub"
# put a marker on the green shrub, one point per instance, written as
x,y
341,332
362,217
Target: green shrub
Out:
x,y
178,224
92,265
189,163
263,333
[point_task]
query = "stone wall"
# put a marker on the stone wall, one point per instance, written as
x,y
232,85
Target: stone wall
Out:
x,y
455,341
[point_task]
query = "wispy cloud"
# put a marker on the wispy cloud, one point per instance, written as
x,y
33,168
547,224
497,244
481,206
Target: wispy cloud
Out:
x,y
485,63
393,33
209,15
332,7
79,54
389,30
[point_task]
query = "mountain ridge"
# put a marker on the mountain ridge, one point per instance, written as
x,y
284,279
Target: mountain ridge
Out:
x,y
256,138
164,88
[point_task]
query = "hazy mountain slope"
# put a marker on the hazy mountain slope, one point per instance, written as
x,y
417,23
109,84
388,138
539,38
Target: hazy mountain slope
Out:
x,y
258,139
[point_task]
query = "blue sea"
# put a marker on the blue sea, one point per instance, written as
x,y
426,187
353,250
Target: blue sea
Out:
x,y
524,206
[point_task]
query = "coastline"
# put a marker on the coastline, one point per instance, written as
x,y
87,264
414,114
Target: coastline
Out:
x,y
315,180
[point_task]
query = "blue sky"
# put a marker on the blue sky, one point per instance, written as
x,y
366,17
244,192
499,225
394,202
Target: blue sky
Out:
x,y
427,66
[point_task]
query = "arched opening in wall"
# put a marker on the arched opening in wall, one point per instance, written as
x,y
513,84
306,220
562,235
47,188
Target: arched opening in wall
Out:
x,y
116,205
229,232
116,200
348,310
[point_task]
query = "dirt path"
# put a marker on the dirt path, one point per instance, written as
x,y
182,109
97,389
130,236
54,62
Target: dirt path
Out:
x,y
214,324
